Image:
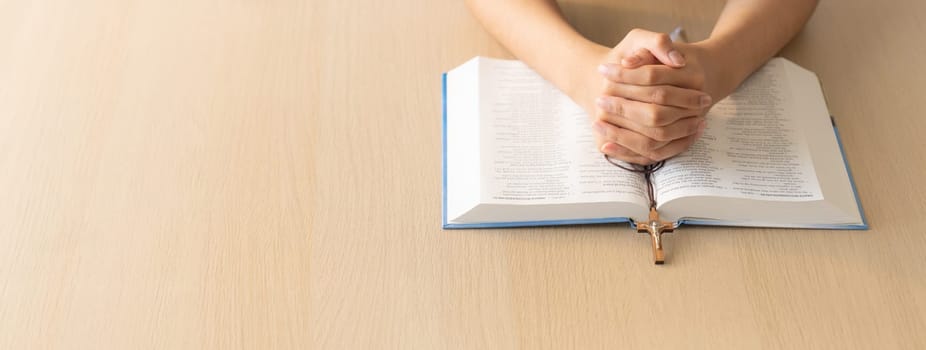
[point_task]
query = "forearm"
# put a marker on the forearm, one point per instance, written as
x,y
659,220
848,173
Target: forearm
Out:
x,y
749,32
537,33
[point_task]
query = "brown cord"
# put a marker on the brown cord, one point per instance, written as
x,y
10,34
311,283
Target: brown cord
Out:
x,y
646,170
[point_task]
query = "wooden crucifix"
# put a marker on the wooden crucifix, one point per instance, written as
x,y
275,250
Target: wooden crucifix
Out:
x,y
656,228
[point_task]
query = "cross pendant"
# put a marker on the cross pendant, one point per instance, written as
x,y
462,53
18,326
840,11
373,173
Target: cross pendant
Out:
x,y
656,228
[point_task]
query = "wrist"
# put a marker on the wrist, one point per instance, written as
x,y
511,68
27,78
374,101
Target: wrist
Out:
x,y
724,69
583,80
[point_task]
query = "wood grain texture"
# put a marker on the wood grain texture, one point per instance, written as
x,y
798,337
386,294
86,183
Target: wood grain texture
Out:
x,y
206,174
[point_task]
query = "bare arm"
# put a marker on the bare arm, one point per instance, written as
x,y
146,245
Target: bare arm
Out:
x,y
749,32
537,33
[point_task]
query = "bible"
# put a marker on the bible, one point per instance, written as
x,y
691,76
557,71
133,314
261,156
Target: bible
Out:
x,y
518,152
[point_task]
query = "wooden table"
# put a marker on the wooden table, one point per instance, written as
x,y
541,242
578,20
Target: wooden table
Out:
x,y
208,174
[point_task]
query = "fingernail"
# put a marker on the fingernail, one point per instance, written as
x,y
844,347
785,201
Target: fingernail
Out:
x,y
606,148
631,61
705,101
603,69
702,126
602,103
677,58
599,128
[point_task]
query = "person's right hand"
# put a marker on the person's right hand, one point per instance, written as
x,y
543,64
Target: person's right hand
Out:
x,y
644,112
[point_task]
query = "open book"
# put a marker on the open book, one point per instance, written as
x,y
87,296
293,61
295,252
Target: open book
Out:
x,y
518,152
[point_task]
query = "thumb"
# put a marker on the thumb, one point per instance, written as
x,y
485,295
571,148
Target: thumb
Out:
x,y
660,46
639,58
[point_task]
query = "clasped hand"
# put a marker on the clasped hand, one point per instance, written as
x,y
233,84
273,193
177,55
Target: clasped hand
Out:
x,y
653,98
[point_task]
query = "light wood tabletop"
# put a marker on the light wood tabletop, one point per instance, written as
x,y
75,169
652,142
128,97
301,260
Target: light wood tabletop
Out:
x,y
205,174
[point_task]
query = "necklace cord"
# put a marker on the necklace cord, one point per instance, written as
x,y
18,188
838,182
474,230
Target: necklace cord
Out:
x,y
647,172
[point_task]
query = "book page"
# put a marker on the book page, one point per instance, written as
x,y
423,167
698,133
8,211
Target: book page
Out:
x,y
752,148
538,146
